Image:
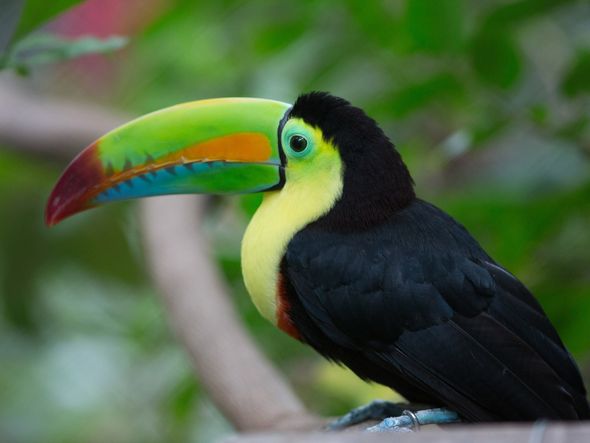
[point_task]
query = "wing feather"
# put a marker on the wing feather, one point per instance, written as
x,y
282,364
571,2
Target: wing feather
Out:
x,y
426,302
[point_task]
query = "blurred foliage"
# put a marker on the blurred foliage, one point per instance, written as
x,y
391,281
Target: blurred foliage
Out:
x,y
21,51
576,81
42,48
488,102
37,12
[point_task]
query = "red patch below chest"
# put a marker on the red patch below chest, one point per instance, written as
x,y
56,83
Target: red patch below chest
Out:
x,y
284,321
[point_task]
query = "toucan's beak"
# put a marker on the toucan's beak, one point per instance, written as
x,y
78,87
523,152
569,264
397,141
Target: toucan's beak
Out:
x,y
218,146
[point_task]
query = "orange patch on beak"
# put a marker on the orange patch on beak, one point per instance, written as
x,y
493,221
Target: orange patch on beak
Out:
x,y
242,147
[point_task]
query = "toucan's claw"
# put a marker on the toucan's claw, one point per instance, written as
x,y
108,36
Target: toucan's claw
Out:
x,y
376,410
410,421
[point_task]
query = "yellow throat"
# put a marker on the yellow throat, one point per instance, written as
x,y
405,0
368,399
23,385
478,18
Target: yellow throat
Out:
x,y
311,189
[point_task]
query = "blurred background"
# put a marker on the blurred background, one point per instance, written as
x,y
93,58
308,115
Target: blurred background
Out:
x,y
488,101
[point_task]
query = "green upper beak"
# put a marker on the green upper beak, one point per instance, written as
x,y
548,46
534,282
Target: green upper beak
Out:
x,y
218,146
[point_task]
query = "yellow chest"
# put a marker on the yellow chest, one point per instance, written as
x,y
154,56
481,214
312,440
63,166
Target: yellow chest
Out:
x,y
280,216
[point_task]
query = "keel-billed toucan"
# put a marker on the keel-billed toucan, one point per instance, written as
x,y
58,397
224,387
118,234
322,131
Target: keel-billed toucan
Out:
x,y
342,255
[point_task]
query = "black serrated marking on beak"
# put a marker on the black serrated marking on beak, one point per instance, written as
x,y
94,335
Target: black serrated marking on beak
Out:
x,y
108,170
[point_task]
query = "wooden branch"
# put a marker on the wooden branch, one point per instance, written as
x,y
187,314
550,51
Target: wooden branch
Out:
x,y
506,433
241,381
247,389
49,127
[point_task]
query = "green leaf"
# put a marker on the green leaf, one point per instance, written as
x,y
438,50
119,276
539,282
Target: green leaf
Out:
x,y
577,79
249,203
377,21
438,88
183,399
496,58
39,49
277,36
10,13
435,26
37,12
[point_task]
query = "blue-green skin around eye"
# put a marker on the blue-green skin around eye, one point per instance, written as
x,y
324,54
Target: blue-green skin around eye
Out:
x,y
303,132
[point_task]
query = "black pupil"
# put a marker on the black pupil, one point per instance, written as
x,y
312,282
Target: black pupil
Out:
x,y
298,143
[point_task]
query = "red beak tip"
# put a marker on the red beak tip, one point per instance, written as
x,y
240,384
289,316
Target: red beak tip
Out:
x,y
50,220
52,211
71,192
59,208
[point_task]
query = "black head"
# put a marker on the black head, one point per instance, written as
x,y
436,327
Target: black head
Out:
x,y
376,182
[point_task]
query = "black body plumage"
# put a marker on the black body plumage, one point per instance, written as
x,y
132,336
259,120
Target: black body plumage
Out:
x,y
401,293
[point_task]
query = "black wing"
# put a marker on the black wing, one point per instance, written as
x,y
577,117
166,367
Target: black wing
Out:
x,y
418,298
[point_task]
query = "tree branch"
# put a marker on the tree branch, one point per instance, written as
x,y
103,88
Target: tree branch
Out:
x,y
247,389
49,127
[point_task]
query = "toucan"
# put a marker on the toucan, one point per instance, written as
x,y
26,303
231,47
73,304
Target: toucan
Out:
x,y
343,256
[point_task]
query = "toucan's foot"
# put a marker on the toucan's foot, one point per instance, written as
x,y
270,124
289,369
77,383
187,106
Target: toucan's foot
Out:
x,y
410,421
376,410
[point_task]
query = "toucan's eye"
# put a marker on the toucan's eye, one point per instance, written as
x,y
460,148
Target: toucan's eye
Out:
x,y
298,140
297,143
